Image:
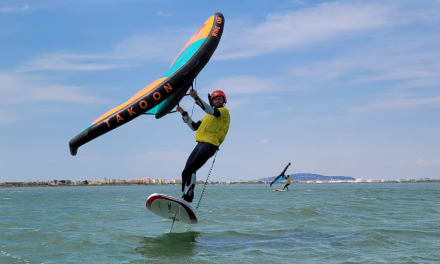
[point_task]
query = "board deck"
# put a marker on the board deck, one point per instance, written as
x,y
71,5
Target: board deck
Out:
x,y
170,207
279,190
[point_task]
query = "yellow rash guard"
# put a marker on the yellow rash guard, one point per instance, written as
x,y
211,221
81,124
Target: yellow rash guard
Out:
x,y
214,129
288,180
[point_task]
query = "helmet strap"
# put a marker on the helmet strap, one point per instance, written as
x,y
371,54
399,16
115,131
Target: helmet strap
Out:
x,y
210,101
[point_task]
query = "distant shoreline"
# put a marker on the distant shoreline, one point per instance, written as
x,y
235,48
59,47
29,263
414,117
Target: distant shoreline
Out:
x,y
32,184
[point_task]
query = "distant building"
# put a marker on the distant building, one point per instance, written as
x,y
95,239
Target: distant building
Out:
x,y
176,181
372,181
360,181
163,181
321,181
105,180
141,180
146,180
160,181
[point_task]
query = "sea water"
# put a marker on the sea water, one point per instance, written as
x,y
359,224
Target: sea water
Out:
x,y
311,223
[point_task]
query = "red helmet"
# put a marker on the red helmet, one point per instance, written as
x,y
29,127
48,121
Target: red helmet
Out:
x,y
218,93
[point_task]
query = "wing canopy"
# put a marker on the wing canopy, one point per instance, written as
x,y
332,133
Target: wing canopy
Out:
x,y
163,94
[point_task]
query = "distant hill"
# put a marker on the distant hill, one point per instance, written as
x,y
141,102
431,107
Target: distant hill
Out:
x,y
309,177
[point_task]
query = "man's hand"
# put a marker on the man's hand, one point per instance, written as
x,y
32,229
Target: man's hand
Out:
x,y
180,109
193,93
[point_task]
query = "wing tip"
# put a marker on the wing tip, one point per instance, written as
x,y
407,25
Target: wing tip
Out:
x,y
73,151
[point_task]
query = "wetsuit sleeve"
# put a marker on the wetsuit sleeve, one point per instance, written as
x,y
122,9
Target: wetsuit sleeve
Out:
x,y
187,119
207,108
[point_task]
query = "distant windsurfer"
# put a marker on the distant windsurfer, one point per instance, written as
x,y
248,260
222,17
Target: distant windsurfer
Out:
x,y
287,183
211,132
281,176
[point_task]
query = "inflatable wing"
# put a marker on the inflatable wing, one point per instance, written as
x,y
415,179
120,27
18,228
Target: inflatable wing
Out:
x,y
162,95
281,176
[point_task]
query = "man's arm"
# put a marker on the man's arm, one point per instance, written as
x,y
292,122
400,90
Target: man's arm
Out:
x,y
187,119
206,107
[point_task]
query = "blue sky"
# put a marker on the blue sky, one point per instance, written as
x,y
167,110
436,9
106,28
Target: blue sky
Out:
x,y
342,88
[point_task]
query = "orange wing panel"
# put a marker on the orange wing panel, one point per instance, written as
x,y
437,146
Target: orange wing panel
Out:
x,y
132,99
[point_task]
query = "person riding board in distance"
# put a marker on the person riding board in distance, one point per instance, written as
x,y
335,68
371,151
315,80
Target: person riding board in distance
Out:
x,y
287,183
211,132
281,176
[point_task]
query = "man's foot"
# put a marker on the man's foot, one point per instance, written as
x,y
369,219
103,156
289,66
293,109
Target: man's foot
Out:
x,y
187,198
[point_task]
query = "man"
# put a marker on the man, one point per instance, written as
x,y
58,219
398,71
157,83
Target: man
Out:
x,y
211,132
287,183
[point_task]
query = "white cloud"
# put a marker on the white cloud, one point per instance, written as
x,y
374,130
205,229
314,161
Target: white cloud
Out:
x,y
398,102
266,112
6,10
15,9
232,104
160,13
17,88
170,155
391,67
425,163
300,2
160,46
283,31
7,117
134,51
66,62
264,141
421,162
244,85
413,65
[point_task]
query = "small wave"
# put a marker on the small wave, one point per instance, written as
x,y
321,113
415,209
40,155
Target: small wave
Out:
x,y
87,243
231,234
118,199
303,212
255,252
16,258
410,233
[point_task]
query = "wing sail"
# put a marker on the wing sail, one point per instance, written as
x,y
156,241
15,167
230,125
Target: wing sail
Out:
x,y
160,97
281,176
